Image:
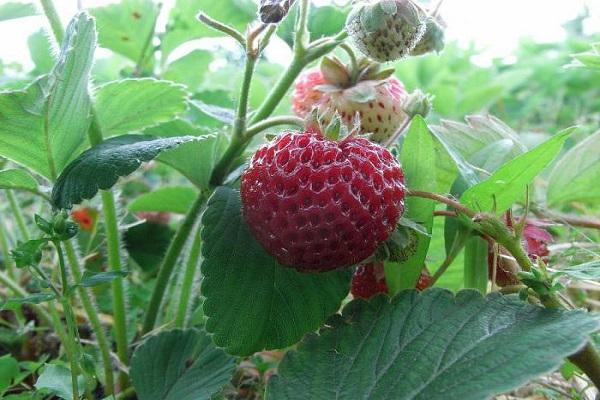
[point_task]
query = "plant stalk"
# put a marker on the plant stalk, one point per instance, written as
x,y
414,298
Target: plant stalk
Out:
x,y
70,321
188,280
55,23
18,214
5,251
168,263
93,318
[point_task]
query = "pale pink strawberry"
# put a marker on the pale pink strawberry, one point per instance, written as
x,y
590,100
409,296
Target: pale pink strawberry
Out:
x,y
377,97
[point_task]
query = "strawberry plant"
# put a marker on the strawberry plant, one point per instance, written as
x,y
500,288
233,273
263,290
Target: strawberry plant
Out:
x,y
217,225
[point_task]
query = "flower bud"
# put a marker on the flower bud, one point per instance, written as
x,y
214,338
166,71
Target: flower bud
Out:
x,y
418,103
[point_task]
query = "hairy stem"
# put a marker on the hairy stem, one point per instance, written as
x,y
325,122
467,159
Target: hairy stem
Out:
x,y
117,285
18,214
188,281
168,263
221,27
55,23
93,318
5,251
70,321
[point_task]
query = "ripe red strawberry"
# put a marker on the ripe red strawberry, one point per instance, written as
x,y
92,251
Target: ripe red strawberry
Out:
x,y
424,280
316,204
376,96
386,30
368,280
84,217
535,241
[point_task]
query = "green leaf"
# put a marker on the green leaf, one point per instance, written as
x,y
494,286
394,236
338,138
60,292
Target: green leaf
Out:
x,y
183,25
586,271
147,244
185,158
418,162
40,51
190,69
180,365
29,254
126,27
9,369
576,175
91,279
56,379
16,302
135,104
17,179
487,160
176,199
44,126
430,346
13,10
222,114
509,183
253,303
100,167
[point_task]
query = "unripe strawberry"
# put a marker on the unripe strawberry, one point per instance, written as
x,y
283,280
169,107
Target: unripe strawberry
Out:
x,y
386,30
374,95
424,280
368,280
317,204
433,39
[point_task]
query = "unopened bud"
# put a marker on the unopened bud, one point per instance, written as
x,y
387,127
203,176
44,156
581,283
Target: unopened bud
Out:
x,y
418,103
273,11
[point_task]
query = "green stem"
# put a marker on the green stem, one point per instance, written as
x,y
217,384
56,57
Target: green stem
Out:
x,y
221,27
168,263
117,285
18,214
93,318
274,121
302,34
279,91
188,280
5,251
55,24
476,270
70,320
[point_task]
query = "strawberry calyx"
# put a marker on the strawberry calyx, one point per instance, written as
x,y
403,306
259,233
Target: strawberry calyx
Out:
x,y
339,76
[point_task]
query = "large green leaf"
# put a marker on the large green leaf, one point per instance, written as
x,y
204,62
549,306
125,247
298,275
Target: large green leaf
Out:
x,y
183,25
253,303
13,10
509,183
127,27
190,69
418,162
44,126
176,199
17,179
100,167
135,104
576,175
185,159
430,346
180,365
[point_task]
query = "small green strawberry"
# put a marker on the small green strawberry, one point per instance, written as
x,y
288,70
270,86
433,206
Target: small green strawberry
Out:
x,y
386,30
433,39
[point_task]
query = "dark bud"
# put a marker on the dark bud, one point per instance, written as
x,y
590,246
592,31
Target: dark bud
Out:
x,y
273,11
64,229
